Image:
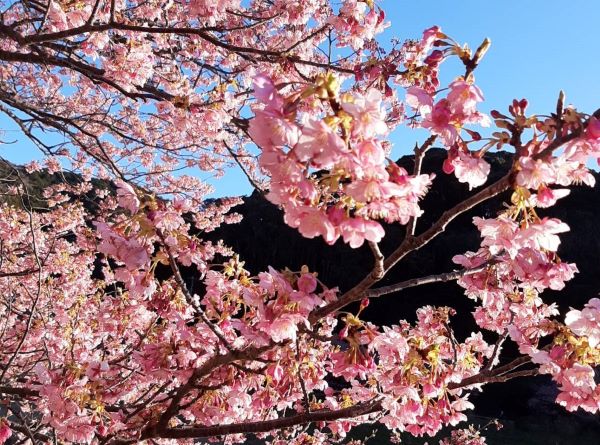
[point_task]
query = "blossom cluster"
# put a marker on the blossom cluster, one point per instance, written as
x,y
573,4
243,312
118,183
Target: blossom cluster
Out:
x,y
330,173
519,260
445,119
376,362
466,436
571,357
429,354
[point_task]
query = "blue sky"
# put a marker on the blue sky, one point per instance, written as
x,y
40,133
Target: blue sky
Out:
x,y
538,48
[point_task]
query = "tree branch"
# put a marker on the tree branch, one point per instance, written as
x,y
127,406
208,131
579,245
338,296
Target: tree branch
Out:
x,y
264,426
413,282
189,297
377,272
419,155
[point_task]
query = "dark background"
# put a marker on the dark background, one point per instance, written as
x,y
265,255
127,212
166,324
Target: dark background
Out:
x,y
526,407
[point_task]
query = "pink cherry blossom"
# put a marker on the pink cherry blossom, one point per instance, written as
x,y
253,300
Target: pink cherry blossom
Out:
x,y
419,99
320,144
366,190
586,322
367,113
5,431
464,98
312,223
547,197
127,250
473,170
270,128
284,327
356,230
265,91
439,122
593,129
534,173
127,197
307,283
370,152
542,235
497,233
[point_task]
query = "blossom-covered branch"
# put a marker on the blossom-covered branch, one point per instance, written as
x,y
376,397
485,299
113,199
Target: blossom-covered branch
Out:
x,y
121,322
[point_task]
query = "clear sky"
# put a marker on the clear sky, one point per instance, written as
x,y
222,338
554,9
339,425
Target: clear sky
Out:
x,y
538,48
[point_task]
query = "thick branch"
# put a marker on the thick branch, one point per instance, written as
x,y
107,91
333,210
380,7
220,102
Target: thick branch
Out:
x,y
378,271
24,392
265,425
26,431
216,361
203,33
484,378
21,273
500,374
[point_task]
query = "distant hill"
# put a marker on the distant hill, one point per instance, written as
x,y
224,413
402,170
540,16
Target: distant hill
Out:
x,y
263,239
36,183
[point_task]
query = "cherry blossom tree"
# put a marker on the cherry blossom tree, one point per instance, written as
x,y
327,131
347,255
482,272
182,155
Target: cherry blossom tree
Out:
x,y
144,98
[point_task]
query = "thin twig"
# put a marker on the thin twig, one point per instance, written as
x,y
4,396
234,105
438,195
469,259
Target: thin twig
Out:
x,y
413,282
189,298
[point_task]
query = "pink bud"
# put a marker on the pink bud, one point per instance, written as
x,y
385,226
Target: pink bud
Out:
x,y
593,129
307,283
448,167
343,333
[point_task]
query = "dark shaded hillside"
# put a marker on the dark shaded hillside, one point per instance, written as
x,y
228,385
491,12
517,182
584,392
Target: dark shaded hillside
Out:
x,y
34,184
262,239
